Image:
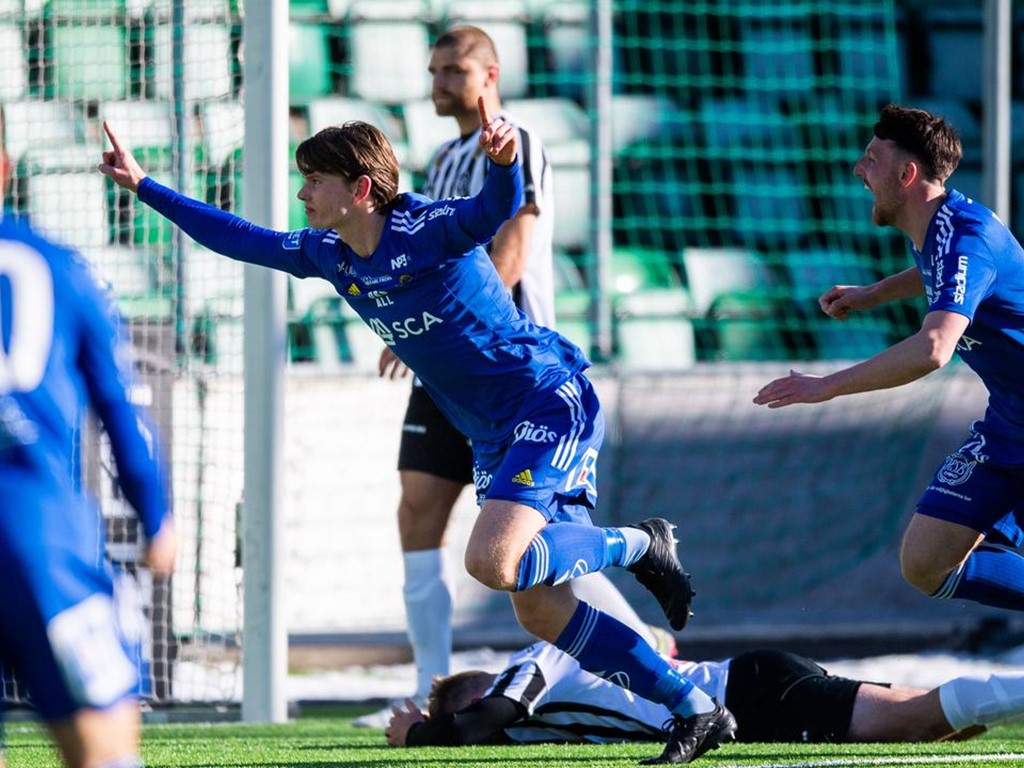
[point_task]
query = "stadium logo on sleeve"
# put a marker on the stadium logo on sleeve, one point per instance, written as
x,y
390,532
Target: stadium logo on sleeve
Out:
x,y
293,240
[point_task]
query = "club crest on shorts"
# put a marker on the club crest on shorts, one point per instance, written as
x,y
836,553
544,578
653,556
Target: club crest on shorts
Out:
x,y
956,469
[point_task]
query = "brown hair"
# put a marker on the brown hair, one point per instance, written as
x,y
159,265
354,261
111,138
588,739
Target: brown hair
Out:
x,y
355,149
470,41
928,138
448,694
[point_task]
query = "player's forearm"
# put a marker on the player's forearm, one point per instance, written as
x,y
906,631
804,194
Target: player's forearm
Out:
x,y
140,469
902,363
482,722
218,230
903,285
510,250
496,203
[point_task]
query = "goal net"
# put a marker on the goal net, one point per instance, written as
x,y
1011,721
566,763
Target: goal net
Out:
x,y
735,125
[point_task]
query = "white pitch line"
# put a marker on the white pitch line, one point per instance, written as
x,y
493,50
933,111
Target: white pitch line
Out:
x,y
855,762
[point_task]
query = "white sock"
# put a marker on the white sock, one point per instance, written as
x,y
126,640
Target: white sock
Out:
x,y
428,611
597,590
982,700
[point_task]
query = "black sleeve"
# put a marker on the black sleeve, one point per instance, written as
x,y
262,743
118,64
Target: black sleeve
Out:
x,y
482,722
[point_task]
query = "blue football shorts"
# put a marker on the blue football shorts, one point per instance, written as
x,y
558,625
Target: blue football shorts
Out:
x,y
65,632
971,491
549,462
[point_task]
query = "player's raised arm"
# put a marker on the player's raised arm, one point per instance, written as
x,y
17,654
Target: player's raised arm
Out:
x,y
497,137
120,164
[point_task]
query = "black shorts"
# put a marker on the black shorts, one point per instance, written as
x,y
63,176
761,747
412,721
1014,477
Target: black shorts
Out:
x,y
781,697
431,444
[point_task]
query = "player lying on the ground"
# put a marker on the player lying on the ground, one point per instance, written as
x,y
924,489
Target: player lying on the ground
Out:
x,y
544,696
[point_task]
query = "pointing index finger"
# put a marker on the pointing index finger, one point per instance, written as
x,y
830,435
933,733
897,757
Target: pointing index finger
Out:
x,y
113,139
485,119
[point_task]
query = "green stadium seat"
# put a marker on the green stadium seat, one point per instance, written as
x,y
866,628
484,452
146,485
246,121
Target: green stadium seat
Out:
x,y
336,110
307,9
658,195
556,120
309,61
34,127
572,308
567,276
208,63
425,131
69,206
380,26
223,130
195,10
778,55
123,269
750,127
85,9
771,204
13,67
572,204
567,49
89,60
149,228
653,331
504,23
811,273
713,272
746,326
638,118
212,282
145,126
956,50
640,269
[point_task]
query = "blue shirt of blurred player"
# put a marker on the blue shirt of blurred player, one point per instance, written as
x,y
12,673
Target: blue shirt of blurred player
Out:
x,y
59,628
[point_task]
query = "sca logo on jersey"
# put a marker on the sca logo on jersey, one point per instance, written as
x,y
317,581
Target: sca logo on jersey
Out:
x,y
527,431
402,329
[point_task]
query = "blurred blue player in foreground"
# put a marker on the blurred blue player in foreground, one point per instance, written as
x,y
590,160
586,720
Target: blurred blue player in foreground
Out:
x,y
61,632
416,273
963,542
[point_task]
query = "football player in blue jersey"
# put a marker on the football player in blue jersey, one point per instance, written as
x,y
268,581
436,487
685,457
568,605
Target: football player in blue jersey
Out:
x,y
963,540
416,272
61,629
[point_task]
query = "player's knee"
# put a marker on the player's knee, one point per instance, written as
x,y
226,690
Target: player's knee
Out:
x,y
489,570
920,574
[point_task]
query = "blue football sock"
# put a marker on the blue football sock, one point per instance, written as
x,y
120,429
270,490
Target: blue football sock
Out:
x,y
608,648
992,575
563,551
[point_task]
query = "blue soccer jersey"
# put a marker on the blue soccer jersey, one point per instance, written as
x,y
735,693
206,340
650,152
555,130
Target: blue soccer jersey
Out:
x,y
429,291
59,628
972,265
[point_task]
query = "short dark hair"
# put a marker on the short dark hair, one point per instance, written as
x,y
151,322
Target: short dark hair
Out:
x,y
447,692
470,41
929,138
352,150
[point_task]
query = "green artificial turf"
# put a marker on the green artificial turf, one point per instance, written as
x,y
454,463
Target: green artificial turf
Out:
x,y
322,737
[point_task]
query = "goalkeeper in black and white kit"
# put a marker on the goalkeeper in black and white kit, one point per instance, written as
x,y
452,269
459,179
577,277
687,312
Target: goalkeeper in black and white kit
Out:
x,y
543,695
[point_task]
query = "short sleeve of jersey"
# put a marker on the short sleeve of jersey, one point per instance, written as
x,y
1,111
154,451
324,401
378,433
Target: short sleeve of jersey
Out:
x,y
962,276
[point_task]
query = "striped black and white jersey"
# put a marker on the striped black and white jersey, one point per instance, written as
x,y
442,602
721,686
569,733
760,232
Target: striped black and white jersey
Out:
x,y
457,169
565,703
